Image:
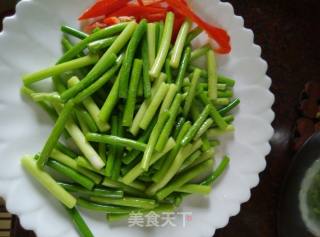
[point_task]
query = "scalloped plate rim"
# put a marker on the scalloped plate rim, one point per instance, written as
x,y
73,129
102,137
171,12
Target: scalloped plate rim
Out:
x,y
23,215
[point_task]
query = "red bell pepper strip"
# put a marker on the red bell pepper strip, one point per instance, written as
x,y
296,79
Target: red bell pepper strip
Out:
x,y
154,10
103,7
150,18
155,17
140,2
89,28
111,21
219,35
115,20
139,12
155,3
134,10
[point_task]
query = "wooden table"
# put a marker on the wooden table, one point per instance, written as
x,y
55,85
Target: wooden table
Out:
x,y
289,33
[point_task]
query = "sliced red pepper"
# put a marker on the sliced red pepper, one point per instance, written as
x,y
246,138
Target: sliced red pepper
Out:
x,y
89,28
158,4
219,35
153,2
140,2
111,21
154,10
103,7
133,10
155,17
115,20
139,12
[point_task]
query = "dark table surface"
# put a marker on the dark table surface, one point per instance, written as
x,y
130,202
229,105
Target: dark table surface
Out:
x,y
288,32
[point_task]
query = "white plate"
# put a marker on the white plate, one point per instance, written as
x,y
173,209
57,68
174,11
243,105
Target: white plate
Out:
x,y
30,41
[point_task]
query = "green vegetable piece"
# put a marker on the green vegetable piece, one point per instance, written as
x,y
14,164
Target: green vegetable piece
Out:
x,y
59,68
95,86
168,71
163,207
96,192
166,131
154,105
55,134
157,177
84,119
64,149
190,160
215,132
214,113
134,154
151,37
112,152
212,75
146,68
178,126
206,155
53,97
184,178
74,32
191,93
138,170
126,188
80,140
196,126
172,91
229,107
153,140
204,128
92,206
199,52
217,172
179,44
29,163
115,174
116,141
129,57
193,34
110,102
182,155
164,46
92,107
183,67
194,188
72,174
132,94
68,161
144,106
127,202
104,63
84,163
79,223
102,150
160,28
79,47
44,105
95,46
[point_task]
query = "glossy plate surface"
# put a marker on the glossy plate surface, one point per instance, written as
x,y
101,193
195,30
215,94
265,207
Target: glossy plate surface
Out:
x,y
31,40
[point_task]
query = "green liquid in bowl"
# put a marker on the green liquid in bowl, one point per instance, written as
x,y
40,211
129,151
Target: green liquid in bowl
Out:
x,y
309,198
313,198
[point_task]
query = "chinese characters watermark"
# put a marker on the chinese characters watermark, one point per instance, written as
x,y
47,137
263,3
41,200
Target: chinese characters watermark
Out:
x,y
153,219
